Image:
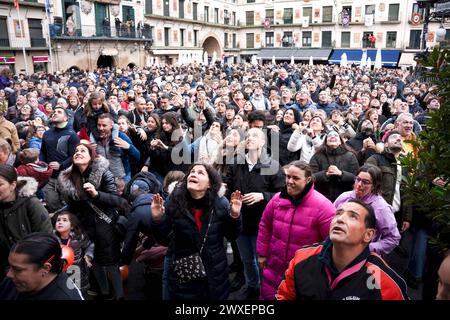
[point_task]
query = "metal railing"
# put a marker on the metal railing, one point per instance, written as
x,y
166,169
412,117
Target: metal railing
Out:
x,y
4,42
92,31
39,42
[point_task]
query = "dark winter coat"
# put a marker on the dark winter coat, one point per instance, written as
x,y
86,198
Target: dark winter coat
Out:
x,y
21,217
388,165
139,220
81,120
356,143
160,160
58,144
286,156
187,240
332,186
238,177
81,247
102,233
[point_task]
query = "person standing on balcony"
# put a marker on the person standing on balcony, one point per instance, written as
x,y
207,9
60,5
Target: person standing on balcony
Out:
x,y
70,26
106,27
118,24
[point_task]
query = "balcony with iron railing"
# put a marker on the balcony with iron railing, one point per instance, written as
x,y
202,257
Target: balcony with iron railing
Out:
x,y
61,31
38,42
11,41
4,42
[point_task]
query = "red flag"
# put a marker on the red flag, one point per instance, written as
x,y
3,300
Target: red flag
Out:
x,y
16,4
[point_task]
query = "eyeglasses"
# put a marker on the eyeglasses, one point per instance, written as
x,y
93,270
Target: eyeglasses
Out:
x,y
363,181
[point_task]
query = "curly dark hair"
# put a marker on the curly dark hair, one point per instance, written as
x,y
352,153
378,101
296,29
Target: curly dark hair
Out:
x,y
181,196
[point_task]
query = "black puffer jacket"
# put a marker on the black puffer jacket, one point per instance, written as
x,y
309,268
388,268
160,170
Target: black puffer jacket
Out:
x,y
103,234
332,186
187,240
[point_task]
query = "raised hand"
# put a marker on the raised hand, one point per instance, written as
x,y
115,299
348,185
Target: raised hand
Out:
x,y
142,134
236,204
119,142
157,208
252,198
90,189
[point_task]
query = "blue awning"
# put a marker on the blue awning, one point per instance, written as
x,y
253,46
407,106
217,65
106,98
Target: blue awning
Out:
x,y
297,53
389,58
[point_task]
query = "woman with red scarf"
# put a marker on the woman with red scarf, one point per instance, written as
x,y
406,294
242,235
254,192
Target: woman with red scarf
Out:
x,y
197,217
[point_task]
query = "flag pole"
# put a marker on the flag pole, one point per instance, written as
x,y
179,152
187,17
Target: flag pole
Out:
x,y
22,35
47,14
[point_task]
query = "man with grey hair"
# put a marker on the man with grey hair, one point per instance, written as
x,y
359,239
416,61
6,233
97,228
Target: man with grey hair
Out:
x,y
303,102
400,107
404,125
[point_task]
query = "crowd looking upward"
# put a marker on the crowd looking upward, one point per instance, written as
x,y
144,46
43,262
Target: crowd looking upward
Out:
x,y
252,155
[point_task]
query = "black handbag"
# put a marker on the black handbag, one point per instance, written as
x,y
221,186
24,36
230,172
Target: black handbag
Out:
x,y
191,268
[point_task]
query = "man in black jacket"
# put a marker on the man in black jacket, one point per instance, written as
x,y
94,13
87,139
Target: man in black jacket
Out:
x,y
258,177
58,147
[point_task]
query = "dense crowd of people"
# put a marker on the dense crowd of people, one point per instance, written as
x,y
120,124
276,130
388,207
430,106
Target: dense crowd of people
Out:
x,y
293,169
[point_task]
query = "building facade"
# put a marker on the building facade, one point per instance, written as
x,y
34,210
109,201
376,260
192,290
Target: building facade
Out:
x,y
23,36
86,34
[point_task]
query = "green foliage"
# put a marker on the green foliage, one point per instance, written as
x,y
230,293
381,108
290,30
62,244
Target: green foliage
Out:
x,y
433,159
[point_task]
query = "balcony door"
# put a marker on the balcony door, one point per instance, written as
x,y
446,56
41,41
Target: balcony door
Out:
x,y
101,13
71,18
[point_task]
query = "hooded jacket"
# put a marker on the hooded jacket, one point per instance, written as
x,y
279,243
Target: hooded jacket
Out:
x,y
139,220
21,217
285,227
39,171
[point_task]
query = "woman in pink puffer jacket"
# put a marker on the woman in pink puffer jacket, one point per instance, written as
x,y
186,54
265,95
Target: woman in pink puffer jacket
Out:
x,y
295,217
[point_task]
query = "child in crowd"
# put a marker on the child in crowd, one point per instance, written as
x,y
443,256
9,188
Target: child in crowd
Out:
x,y
68,230
32,167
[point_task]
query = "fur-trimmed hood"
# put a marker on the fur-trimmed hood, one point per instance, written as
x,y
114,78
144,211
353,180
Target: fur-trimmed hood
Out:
x,y
29,188
66,186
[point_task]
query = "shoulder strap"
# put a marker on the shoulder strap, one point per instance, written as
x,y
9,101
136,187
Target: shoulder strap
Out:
x,y
207,230
100,213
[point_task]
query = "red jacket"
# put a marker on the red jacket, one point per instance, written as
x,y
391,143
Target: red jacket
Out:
x,y
312,276
39,171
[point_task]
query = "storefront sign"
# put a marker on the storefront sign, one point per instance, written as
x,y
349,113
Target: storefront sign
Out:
x,y
37,59
7,60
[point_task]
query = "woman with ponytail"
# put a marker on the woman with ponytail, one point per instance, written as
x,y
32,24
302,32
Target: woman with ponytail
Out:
x,y
35,271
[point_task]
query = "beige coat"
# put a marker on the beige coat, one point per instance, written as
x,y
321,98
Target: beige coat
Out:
x,y
8,131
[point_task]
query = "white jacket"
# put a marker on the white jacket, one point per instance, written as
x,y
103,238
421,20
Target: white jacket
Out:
x,y
304,142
